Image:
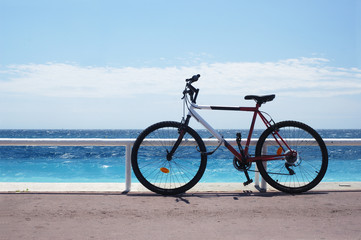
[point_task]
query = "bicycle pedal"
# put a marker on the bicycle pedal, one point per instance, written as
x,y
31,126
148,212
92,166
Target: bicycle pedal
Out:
x,y
248,182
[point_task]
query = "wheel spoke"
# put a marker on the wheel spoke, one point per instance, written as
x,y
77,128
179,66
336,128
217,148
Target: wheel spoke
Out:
x,y
173,175
309,164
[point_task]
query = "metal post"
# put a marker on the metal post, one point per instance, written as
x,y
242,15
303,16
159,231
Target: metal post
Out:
x,y
263,182
128,167
256,177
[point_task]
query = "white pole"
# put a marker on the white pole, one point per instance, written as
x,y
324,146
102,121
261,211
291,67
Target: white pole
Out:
x,y
256,177
128,167
263,182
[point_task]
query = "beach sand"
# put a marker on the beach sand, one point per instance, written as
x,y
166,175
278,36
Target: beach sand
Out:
x,y
200,214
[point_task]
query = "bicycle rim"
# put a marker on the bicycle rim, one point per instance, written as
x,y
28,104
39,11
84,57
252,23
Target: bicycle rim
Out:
x,y
161,175
298,174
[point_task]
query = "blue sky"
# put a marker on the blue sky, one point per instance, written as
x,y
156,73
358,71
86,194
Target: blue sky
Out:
x,y
122,64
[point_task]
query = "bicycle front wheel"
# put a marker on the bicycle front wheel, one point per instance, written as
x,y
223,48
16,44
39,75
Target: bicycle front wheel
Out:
x,y
163,174
305,157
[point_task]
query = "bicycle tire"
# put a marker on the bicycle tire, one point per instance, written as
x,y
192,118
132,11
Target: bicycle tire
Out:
x,y
168,177
310,165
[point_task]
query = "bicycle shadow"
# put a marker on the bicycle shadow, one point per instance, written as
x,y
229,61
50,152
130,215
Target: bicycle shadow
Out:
x,y
211,194
187,197
235,195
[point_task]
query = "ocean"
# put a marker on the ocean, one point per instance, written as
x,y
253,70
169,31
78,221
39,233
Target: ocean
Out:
x,y
106,164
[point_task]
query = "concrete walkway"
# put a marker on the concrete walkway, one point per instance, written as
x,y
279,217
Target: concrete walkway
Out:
x,y
242,214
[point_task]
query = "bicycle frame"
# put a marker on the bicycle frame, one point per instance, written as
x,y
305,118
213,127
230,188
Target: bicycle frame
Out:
x,y
192,112
180,162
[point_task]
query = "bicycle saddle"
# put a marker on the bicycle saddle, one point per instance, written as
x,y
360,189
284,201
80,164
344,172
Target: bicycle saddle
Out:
x,y
260,99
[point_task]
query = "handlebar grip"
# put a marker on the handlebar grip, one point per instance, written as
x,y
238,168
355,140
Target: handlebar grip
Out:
x,y
193,79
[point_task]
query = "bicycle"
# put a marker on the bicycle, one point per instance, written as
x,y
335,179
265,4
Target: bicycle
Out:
x,y
170,157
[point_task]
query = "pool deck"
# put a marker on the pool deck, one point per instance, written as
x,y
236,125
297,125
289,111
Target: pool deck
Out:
x,y
208,211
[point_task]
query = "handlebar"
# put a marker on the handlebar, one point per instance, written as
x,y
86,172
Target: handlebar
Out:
x,y
193,79
190,89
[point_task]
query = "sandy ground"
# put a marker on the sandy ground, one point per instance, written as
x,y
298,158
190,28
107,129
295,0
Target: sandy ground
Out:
x,y
203,215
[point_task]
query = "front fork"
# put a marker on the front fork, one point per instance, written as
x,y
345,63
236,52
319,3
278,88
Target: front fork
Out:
x,y
182,132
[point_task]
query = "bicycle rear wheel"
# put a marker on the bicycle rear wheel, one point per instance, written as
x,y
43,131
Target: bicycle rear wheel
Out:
x,y
300,172
164,175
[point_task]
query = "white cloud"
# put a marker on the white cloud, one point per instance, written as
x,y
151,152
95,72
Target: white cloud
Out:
x,y
309,76
305,76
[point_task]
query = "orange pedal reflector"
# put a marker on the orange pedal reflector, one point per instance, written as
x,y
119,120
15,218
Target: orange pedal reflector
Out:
x,y
164,170
279,151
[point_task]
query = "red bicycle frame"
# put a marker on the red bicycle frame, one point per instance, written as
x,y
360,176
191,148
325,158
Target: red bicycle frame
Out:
x,y
237,154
